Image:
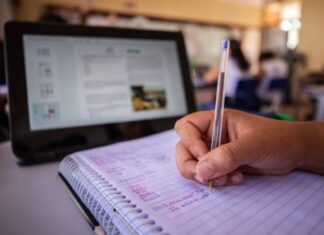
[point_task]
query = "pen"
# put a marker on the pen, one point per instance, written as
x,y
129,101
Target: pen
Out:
x,y
91,220
219,102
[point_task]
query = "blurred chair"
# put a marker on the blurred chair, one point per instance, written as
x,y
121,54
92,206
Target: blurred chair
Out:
x,y
246,98
278,90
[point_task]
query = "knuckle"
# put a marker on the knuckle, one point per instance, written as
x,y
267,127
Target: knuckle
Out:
x,y
185,173
182,171
192,142
182,121
178,150
193,146
178,124
195,141
178,147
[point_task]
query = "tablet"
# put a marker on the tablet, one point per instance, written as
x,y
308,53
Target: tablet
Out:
x,y
76,87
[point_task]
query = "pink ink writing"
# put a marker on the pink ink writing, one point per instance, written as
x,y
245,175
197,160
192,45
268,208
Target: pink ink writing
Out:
x,y
143,193
183,201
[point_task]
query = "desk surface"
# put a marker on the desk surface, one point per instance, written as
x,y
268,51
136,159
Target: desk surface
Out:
x,y
33,199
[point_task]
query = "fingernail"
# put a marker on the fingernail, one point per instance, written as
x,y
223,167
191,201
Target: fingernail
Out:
x,y
235,179
205,170
199,179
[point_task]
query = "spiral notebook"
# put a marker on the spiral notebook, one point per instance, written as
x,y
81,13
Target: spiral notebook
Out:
x,y
134,187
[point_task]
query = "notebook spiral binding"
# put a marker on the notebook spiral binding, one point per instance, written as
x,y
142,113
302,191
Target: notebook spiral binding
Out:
x,y
113,210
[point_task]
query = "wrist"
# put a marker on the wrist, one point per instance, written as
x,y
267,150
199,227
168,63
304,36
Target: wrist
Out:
x,y
300,138
310,147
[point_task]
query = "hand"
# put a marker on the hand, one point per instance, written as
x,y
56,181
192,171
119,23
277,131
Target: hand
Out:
x,y
250,144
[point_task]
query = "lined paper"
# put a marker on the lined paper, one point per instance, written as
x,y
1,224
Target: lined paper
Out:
x,y
145,170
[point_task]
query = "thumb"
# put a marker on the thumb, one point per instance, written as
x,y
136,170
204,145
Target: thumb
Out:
x,y
224,159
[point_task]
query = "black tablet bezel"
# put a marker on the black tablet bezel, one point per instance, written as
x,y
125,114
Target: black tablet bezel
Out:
x,y
26,143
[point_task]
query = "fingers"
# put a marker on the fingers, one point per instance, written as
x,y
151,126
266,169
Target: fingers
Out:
x,y
232,178
187,166
185,162
219,164
225,159
192,130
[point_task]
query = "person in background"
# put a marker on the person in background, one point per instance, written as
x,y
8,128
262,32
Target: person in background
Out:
x,y
271,67
238,68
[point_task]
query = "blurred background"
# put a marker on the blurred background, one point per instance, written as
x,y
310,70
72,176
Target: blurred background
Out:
x,y
278,45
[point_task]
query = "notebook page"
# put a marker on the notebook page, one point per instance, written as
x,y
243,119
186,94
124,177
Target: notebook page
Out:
x,y
145,170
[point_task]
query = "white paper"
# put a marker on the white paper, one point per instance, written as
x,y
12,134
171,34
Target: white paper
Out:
x,y
145,170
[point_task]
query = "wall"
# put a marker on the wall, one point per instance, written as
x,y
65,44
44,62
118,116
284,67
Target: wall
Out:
x,y
312,33
244,13
237,13
5,15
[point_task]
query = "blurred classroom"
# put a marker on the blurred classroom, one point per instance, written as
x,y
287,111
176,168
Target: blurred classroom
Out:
x,y
279,64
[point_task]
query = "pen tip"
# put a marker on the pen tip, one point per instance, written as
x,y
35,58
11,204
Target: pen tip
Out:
x,y
211,184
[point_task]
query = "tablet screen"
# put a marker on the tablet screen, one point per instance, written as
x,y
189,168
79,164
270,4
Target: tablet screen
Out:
x,y
79,81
